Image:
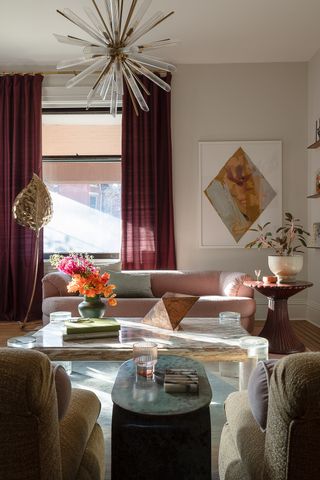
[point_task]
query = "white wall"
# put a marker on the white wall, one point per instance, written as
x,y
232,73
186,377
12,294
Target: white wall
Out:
x,y
313,166
237,102
229,102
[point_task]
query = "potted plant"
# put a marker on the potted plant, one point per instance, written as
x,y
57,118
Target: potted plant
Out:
x,y
286,243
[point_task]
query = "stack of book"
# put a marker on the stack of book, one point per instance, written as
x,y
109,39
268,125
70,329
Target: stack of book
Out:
x,y
181,380
83,328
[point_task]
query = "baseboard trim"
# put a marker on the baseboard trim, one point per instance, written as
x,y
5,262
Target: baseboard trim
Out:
x,y
313,313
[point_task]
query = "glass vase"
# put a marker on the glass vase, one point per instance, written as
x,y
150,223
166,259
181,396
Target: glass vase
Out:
x,y
92,307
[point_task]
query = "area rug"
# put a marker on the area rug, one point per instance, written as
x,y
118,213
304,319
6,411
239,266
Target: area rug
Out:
x,y
99,377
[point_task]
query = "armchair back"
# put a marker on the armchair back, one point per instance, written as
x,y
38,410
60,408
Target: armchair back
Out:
x,y
29,427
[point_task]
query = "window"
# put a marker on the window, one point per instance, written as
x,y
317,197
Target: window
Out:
x,y
85,188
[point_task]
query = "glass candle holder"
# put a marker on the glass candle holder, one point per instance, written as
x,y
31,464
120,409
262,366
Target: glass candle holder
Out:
x,y
229,318
256,347
245,370
145,357
59,317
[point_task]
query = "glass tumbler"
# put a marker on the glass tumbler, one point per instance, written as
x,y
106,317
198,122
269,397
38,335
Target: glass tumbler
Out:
x,y
145,357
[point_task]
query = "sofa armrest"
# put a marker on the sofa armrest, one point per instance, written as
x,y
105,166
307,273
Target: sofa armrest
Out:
x,y
54,284
231,284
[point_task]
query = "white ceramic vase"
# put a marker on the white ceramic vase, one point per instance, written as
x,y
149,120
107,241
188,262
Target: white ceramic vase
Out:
x,y
285,267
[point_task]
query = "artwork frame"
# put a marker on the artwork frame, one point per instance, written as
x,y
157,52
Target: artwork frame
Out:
x,y
266,156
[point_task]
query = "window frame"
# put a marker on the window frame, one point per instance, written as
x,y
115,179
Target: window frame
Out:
x,y
81,158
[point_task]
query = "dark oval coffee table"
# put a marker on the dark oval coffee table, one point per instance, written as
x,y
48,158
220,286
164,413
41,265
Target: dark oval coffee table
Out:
x,y
277,328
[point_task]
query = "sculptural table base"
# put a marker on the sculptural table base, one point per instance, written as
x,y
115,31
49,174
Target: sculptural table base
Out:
x,y
277,328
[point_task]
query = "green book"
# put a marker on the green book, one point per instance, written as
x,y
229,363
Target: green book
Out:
x,y
92,325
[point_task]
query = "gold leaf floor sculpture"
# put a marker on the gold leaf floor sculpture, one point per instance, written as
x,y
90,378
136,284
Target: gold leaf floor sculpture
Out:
x,y
170,310
32,208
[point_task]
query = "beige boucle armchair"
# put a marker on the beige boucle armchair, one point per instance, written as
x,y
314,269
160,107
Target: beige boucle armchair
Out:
x,y
34,445
289,449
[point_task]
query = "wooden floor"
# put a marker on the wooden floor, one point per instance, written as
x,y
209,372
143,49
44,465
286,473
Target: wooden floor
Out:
x,y
309,334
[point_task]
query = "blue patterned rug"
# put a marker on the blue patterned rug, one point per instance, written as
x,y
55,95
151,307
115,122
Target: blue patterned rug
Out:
x,y
99,377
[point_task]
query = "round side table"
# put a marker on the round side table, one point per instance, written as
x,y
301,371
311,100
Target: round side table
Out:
x,y
277,328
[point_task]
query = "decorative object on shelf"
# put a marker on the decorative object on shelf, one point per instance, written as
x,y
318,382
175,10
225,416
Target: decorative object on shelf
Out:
x,y
316,143
317,185
316,235
87,280
239,183
318,181
317,130
113,52
32,208
169,310
287,241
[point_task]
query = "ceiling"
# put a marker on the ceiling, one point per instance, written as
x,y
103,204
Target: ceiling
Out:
x,y
209,31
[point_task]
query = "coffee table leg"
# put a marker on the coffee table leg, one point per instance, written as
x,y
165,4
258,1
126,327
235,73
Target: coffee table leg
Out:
x,y
278,330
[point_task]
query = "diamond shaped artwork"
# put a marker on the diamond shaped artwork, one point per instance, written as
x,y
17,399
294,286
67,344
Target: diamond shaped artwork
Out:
x,y
239,193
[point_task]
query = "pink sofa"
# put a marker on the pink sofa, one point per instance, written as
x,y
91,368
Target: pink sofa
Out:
x,y
218,291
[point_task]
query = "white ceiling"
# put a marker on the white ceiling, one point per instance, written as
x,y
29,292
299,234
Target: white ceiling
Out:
x,y
210,31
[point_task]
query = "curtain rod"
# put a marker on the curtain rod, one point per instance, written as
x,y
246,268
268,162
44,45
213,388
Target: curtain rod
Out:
x,y
58,72
67,72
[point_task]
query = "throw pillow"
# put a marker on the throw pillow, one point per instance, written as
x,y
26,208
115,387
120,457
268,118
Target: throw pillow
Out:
x,y
63,388
109,267
258,391
131,285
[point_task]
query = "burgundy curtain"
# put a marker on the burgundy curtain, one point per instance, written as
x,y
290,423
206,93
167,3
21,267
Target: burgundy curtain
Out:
x,y
147,205
20,157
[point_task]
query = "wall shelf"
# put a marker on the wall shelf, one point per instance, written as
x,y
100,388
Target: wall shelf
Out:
x,y
312,247
315,144
314,195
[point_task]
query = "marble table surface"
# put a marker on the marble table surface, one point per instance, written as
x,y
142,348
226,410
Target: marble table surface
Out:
x,y
148,397
198,338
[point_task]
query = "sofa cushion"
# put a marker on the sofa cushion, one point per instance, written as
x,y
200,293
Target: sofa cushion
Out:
x,y
258,391
131,285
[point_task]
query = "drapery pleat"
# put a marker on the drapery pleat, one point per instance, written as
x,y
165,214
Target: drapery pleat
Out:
x,y
20,157
147,200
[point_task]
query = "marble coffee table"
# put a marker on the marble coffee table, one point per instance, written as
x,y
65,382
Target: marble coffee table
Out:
x,y
203,339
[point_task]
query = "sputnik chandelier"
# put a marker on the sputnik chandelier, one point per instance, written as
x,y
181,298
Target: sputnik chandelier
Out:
x,y
114,54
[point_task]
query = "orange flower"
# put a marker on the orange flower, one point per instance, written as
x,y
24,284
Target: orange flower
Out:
x,y
93,284
112,302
